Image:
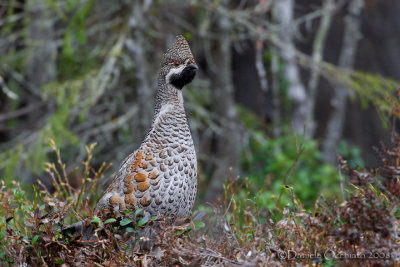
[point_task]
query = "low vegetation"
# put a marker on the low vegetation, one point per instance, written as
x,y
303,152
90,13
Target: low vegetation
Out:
x,y
362,229
351,219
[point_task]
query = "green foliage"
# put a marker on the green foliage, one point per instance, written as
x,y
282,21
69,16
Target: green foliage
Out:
x,y
125,221
130,230
76,66
10,160
67,95
29,219
32,228
75,36
9,27
142,221
16,213
276,166
369,88
111,220
96,220
352,154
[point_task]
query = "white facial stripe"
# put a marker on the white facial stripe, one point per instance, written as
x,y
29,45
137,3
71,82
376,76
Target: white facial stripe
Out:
x,y
174,71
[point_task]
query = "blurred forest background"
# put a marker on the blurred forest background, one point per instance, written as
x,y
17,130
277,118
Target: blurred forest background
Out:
x,y
284,86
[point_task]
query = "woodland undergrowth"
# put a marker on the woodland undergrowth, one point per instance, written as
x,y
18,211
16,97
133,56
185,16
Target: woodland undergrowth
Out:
x,y
362,229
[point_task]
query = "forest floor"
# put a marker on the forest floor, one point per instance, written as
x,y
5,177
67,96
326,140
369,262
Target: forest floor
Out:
x,y
362,230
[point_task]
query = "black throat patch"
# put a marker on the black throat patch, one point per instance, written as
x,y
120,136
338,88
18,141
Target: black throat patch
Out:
x,y
181,79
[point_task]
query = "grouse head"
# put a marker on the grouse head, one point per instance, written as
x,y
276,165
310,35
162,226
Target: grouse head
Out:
x,y
178,64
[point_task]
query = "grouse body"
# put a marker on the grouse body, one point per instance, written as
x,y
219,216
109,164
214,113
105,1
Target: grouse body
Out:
x,y
161,175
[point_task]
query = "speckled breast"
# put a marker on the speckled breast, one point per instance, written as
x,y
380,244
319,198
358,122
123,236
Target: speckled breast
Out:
x,y
161,176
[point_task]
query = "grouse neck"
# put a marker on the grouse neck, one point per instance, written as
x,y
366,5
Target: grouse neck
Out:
x,y
168,98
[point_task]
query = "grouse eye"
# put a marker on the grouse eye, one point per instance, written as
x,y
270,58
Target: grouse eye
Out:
x,y
176,63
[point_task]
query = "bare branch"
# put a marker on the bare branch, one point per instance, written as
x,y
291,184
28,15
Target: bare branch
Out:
x,y
259,61
7,90
318,47
351,37
22,111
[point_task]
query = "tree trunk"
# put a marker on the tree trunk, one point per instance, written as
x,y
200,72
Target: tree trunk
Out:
x,y
276,101
339,101
227,144
318,49
283,16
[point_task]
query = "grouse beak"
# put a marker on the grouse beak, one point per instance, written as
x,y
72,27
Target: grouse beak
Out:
x,y
193,66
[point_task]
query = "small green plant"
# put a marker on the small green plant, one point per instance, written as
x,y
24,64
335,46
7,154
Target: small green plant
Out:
x,y
239,230
35,221
286,166
352,154
236,231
